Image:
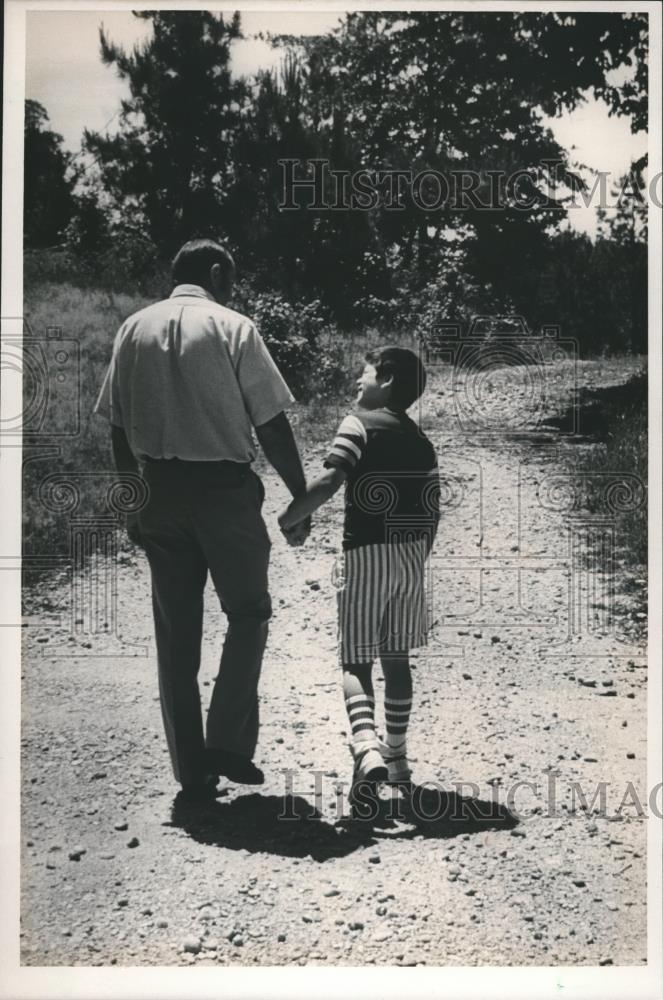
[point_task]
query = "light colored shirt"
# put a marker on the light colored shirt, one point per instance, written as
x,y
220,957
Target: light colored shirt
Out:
x,y
188,379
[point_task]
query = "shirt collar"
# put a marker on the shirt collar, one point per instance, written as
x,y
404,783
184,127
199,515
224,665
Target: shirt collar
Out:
x,y
196,291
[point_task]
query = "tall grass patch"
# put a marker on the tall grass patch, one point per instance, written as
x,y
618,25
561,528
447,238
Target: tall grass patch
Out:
x,y
616,419
90,318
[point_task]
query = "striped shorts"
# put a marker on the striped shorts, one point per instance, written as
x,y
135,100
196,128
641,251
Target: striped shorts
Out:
x,y
381,596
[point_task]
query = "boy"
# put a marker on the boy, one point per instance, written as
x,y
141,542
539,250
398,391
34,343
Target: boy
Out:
x,y
389,468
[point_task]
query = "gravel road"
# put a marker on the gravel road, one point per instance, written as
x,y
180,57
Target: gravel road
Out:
x,y
521,709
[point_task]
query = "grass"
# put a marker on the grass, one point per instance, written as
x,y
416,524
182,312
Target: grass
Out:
x,y
618,456
91,319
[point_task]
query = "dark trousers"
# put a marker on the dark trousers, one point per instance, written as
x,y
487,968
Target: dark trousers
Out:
x,y
207,516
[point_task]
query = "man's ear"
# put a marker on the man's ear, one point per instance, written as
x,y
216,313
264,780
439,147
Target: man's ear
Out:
x,y
386,381
216,277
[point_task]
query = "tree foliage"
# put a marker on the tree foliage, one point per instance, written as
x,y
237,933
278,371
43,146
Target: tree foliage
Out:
x,y
198,152
171,161
48,202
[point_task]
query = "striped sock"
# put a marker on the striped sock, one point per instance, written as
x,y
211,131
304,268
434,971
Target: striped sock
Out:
x,y
397,716
361,713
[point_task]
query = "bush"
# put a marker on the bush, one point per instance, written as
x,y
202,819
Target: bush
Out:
x,y
293,334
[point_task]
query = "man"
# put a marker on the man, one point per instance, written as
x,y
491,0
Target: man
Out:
x,y
187,381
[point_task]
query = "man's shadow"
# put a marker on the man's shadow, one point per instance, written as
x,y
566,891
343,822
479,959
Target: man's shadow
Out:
x,y
287,825
291,826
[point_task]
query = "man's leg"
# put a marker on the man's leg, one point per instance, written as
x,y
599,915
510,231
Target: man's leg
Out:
x,y
233,717
237,548
178,580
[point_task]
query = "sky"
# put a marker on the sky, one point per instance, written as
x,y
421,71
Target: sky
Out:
x,y
64,72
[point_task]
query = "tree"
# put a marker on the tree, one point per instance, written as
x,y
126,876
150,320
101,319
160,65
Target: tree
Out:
x,y
572,54
451,92
48,203
465,91
622,240
171,161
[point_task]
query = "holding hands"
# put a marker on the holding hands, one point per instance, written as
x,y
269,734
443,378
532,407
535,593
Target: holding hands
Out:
x,y
295,520
298,533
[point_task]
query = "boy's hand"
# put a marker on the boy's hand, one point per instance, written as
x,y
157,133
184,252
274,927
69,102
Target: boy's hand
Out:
x,y
298,534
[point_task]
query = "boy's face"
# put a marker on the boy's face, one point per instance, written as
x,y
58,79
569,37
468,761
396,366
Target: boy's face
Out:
x,y
372,392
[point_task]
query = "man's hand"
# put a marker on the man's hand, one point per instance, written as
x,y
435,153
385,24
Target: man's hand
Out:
x,y
299,532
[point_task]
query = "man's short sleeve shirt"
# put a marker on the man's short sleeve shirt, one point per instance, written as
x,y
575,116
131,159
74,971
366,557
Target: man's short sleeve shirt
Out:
x,y
189,378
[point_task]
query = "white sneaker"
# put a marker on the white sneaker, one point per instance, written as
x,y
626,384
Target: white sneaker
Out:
x,y
369,771
369,765
398,768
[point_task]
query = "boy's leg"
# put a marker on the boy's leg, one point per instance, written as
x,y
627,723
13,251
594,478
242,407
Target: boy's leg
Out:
x,y
397,707
360,706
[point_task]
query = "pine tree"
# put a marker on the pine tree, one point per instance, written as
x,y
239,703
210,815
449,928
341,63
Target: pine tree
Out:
x,y
48,203
171,161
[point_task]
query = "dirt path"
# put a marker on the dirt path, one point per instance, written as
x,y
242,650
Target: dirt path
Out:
x,y
508,692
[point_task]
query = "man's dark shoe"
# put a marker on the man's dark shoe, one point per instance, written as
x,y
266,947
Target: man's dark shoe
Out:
x,y
199,791
234,766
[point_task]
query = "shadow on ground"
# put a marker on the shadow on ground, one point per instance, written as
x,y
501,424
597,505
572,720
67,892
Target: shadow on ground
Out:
x,y
291,826
433,812
595,411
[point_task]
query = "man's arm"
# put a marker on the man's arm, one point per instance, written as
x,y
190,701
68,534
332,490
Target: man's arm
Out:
x,y
278,443
125,461
318,491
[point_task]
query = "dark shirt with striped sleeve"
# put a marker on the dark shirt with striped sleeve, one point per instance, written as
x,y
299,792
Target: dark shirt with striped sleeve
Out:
x,y
392,486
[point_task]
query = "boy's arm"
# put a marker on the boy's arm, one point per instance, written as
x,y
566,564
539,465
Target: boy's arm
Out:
x,y
434,506
317,492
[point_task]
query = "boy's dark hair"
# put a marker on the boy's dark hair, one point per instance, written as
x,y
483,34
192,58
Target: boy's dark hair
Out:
x,y
193,262
409,375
